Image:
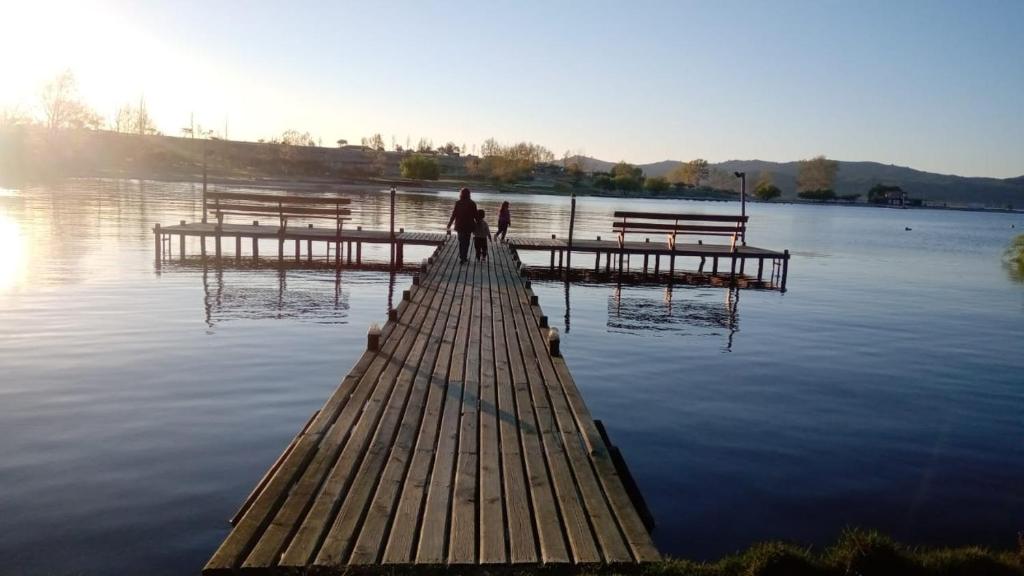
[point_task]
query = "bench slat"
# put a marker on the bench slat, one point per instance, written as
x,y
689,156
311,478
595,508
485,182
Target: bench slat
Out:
x,y
226,207
275,198
686,217
657,227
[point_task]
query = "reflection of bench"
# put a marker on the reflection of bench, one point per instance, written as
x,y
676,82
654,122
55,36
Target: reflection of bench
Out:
x,y
221,204
675,224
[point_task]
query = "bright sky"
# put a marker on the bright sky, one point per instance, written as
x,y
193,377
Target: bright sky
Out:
x,y
937,85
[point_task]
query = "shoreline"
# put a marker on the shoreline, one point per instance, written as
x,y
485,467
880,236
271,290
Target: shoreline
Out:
x,y
332,184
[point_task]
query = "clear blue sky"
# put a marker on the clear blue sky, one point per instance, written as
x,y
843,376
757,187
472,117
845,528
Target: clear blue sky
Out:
x,y
935,85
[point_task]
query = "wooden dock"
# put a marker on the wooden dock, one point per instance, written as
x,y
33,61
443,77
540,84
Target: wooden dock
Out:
x,y
458,439
341,247
651,255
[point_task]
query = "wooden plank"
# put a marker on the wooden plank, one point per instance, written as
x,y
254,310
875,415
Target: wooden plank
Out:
x,y
351,431
521,538
289,198
462,541
402,540
433,539
313,497
345,529
633,530
236,546
612,544
493,527
427,391
659,227
550,533
683,216
236,208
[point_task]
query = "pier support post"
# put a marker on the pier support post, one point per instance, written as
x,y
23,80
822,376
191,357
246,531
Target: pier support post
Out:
x,y
785,269
298,250
572,224
202,246
255,244
181,243
359,252
760,268
714,265
392,236
158,242
238,248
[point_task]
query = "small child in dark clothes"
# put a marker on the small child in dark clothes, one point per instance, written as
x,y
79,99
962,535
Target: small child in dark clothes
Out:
x,y
504,219
481,234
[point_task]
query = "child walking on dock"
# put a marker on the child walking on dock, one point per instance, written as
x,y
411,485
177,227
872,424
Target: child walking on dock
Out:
x,y
504,220
481,234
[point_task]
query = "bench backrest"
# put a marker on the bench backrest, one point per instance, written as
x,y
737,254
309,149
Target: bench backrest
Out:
x,y
221,204
675,224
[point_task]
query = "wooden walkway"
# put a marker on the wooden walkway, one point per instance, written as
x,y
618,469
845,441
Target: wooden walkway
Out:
x,y
461,441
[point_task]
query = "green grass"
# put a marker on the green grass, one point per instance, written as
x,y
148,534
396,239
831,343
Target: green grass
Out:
x,y
856,552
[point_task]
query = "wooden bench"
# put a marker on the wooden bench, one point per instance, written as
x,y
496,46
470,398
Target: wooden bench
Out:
x,y
221,204
675,224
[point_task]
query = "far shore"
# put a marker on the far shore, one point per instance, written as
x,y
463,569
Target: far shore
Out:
x,y
330,184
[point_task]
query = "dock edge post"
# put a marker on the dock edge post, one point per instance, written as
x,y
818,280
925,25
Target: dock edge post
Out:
x,y
373,338
553,342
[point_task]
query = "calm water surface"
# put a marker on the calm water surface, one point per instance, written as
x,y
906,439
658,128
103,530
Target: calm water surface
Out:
x,y
885,389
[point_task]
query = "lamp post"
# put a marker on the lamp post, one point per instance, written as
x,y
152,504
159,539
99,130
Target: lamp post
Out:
x,y
743,198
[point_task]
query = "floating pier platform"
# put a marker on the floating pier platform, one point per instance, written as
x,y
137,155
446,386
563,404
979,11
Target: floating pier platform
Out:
x,y
459,439
714,263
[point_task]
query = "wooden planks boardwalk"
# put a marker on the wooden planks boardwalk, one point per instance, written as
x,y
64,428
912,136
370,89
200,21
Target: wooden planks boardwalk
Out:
x,y
461,441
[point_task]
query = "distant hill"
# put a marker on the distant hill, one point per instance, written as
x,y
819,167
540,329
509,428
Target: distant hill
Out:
x,y
859,177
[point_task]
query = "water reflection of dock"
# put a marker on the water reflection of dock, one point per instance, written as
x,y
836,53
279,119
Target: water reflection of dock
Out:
x,y
308,296
689,313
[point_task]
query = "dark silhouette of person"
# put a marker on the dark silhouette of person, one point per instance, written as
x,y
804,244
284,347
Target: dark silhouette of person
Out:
x,y
464,217
504,220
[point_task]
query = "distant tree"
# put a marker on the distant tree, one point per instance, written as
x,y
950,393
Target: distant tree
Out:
x,y
765,188
767,191
296,138
420,167
656,184
690,174
818,173
376,142
848,197
627,169
721,180
449,149
136,120
14,116
604,182
62,107
425,146
342,143
817,195
627,182
878,194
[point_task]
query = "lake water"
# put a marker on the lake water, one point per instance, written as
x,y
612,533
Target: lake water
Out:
x,y
885,389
